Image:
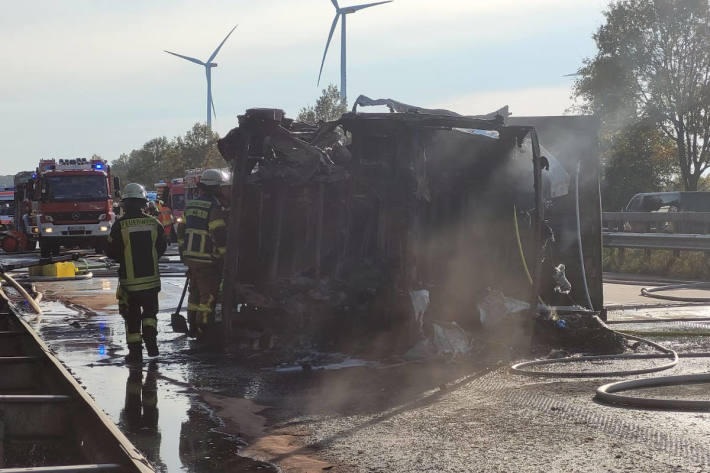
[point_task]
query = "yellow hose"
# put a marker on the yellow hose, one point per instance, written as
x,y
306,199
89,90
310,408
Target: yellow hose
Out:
x,y
520,249
23,293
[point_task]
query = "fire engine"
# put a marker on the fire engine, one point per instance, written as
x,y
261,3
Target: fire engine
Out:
x,y
22,236
72,203
172,193
7,207
192,179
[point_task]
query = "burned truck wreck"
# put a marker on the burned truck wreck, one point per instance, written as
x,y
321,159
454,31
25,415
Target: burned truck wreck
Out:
x,y
367,229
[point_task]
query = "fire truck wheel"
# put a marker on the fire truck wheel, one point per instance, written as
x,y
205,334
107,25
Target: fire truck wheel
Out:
x,y
44,248
9,243
47,247
99,247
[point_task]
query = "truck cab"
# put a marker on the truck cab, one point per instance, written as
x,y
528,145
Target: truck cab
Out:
x,y
172,194
74,202
7,208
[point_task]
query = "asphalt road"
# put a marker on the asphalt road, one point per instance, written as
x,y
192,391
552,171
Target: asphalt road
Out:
x,y
218,411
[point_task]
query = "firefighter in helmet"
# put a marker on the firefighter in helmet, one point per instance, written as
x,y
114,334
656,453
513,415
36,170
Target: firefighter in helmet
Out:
x,y
202,240
136,242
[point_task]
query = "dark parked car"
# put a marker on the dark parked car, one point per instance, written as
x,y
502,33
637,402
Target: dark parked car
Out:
x,y
668,202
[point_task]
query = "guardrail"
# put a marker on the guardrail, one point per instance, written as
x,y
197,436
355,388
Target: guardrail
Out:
x,y
657,241
657,230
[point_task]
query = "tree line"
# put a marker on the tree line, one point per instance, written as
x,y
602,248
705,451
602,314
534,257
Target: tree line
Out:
x,y
163,158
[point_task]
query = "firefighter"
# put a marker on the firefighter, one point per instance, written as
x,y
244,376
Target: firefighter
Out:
x,y
202,240
165,215
136,242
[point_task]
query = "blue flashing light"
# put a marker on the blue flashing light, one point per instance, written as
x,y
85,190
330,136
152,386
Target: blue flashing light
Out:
x,y
34,176
102,349
98,166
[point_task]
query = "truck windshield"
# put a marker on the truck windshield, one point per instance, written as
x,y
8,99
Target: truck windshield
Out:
x,y
75,188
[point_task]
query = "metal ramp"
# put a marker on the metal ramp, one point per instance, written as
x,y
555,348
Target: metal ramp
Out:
x,y
48,423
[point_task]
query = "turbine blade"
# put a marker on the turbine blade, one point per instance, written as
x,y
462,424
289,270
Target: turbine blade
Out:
x,y
574,74
220,44
335,4
330,36
355,8
191,59
213,110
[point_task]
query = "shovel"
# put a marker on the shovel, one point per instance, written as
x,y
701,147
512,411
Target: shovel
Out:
x,y
177,321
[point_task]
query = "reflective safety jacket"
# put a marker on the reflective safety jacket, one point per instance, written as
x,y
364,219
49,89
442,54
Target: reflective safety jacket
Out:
x,y
202,238
136,242
165,215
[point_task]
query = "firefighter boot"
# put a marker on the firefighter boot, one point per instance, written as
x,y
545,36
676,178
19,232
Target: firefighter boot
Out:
x,y
135,353
150,340
151,345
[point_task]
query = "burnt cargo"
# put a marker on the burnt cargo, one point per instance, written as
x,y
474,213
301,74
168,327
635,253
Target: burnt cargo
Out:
x,y
337,229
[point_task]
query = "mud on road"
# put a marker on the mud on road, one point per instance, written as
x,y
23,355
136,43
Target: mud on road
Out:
x,y
249,412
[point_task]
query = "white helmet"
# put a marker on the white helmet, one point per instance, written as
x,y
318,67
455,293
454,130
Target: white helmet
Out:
x,y
214,177
134,191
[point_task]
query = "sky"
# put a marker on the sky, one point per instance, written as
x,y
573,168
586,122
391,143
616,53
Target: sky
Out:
x,y
90,76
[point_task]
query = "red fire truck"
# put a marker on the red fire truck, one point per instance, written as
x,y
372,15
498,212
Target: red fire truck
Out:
x,y
22,234
192,179
7,207
172,194
72,203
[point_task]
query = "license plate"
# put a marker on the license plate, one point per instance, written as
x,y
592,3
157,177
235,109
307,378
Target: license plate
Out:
x,y
76,228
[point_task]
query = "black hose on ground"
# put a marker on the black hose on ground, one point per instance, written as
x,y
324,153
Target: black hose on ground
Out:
x,y
607,392
651,292
520,368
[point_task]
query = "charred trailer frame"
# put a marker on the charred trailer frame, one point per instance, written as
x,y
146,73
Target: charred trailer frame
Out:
x,y
330,243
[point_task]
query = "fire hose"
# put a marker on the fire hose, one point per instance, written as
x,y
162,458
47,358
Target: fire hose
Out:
x,y
652,292
33,303
21,290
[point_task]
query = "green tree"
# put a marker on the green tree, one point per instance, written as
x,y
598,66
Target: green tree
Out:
x,y
329,106
638,158
161,158
120,167
653,63
196,144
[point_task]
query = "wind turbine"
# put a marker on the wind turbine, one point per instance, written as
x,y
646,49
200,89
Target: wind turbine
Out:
x,y
344,12
208,72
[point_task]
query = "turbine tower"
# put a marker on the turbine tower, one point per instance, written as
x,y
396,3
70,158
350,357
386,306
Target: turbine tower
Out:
x,y
208,72
344,12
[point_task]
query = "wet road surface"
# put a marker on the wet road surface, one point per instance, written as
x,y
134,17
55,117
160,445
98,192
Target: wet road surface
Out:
x,y
194,411
160,405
